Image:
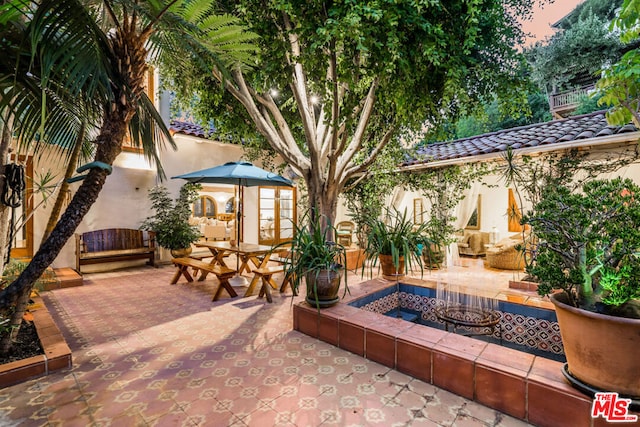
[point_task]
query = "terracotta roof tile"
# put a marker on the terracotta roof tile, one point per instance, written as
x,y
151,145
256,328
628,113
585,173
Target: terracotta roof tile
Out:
x,y
583,127
188,128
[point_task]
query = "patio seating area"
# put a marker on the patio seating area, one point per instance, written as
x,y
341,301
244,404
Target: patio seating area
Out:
x,y
150,354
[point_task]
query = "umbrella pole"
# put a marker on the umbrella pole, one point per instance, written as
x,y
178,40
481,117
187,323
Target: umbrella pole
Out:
x,y
237,280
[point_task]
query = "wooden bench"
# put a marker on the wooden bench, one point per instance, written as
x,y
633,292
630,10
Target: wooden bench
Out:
x,y
222,273
114,244
265,274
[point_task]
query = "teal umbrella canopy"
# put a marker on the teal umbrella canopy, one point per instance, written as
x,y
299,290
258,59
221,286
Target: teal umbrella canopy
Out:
x,y
236,173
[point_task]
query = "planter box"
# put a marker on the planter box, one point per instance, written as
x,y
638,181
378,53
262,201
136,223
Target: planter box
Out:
x,y
355,259
57,354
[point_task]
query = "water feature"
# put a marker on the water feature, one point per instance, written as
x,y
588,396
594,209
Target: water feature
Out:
x,y
525,328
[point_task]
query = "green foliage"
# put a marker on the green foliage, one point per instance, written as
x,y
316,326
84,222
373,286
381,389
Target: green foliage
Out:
x,y
313,251
568,57
171,219
379,70
587,247
530,176
395,234
491,119
16,267
620,83
364,201
444,188
587,104
604,10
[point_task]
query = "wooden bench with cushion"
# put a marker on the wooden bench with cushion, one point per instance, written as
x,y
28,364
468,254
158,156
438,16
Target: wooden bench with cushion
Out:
x,y
222,273
114,244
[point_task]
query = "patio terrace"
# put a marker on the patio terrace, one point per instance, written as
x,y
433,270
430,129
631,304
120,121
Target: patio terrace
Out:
x,y
150,354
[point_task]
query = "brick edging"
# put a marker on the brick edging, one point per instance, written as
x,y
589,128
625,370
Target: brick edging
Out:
x,y
57,354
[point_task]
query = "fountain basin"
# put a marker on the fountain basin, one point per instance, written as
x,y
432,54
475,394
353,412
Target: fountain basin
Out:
x,y
530,329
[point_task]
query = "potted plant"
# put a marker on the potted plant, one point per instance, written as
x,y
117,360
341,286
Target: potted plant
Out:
x,y
587,259
171,219
396,242
319,260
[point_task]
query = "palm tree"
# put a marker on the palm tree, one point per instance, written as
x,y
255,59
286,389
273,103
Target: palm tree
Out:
x,y
98,51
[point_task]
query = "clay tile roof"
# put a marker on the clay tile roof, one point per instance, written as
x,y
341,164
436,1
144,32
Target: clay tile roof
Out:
x,y
188,128
575,128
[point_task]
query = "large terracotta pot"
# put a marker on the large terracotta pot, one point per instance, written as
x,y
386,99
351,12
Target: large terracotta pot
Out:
x,y
180,253
389,271
601,350
323,287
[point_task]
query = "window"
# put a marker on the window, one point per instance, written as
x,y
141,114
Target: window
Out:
x,y
205,206
277,206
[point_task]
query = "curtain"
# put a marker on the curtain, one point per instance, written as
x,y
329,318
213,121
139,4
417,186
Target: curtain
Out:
x,y
463,212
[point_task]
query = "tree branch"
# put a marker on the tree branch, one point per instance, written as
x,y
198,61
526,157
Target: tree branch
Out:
x,y
372,155
290,152
357,138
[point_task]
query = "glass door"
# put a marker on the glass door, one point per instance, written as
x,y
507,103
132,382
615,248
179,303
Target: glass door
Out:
x,y
277,206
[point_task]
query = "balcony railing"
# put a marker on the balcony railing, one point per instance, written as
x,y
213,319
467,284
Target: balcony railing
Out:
x,y
570,99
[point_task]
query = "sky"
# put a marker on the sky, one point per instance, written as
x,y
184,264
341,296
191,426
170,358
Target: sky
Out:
x,y
544,16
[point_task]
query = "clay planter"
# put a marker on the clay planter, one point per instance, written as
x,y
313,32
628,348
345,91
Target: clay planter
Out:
x,y
601,350
323,287
180,253
388,269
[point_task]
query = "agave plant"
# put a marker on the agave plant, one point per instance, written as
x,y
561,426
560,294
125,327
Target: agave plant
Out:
x,y
396,235
314,253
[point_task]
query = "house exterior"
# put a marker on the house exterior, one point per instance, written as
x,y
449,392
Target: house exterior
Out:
x,y
587,133
124,202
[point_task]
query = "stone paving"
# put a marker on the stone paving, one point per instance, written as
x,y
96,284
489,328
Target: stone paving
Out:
x,y
146,353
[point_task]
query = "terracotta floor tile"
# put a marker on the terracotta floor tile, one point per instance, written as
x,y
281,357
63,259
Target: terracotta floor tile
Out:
x,y
167,355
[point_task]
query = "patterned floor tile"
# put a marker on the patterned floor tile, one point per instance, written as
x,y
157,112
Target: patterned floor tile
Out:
x,y
168,356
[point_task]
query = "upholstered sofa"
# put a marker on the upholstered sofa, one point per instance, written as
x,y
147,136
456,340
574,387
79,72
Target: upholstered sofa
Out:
x,y
507,253
213,229
472,243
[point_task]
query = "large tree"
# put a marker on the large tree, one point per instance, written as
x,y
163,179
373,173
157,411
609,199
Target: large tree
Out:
x,y
620,83
336,82
574,56
99,50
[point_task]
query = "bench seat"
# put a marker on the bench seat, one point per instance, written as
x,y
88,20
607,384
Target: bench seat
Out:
x,y
222,273
265,274
114,245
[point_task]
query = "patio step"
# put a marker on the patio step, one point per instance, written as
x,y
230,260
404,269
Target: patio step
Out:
x,y
67,278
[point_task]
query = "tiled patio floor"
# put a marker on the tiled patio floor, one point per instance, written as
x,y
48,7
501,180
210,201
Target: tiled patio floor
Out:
x,y
149,354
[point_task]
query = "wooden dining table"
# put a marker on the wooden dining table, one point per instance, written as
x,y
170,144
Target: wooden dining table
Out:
x,y
248,254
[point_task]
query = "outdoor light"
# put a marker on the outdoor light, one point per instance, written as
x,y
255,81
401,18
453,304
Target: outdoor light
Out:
x,y
274,92
315,99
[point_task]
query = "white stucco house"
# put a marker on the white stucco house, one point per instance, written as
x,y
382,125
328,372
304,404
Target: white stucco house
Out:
x,y
124,203
589,133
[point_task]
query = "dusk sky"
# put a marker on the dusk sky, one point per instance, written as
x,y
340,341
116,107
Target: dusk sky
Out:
x,y
543,17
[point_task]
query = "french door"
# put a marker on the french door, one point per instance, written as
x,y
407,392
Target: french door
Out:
x,y
277,206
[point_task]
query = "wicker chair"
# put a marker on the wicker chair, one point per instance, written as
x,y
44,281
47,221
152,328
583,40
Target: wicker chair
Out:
x,y
506,254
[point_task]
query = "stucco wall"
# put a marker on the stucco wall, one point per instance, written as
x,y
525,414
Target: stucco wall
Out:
x,y
124,202
494,201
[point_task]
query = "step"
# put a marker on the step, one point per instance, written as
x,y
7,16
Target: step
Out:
x,y
67,278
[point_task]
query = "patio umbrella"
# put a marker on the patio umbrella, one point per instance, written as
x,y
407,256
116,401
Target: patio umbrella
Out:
x,y
242,174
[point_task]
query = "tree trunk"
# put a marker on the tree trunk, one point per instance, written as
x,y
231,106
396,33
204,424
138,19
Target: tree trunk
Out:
x,y
109,146
62,191
324,199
